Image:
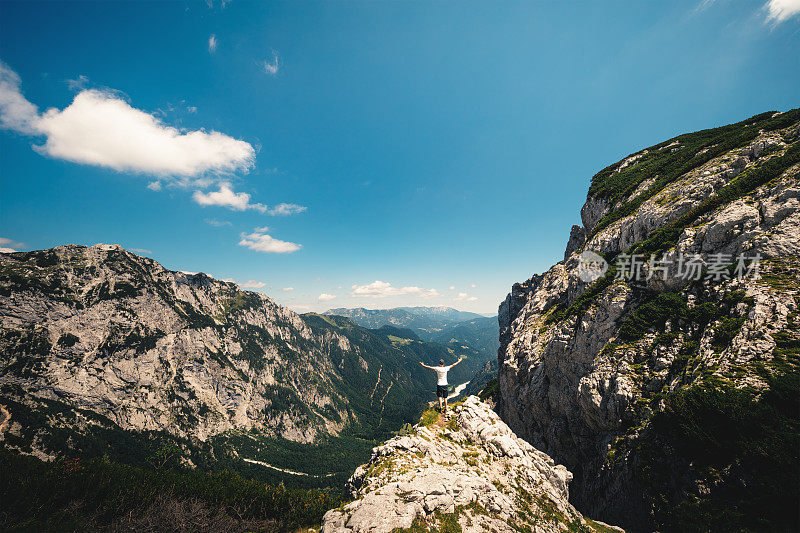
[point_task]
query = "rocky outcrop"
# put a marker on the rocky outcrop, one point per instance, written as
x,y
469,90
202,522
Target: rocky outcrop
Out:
x,y
471,470
587,367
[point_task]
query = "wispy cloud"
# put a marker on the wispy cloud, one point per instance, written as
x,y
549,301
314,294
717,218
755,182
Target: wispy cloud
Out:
x,y
286,209
781,10
217,223
260,241
253,284
325,297
287,289
8,245
383,289
141,250
100,128
154,186
271,67
464,297
16,112
212,43
77,84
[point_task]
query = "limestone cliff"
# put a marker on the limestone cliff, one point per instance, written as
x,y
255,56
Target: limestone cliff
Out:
x,y
671,399
470,473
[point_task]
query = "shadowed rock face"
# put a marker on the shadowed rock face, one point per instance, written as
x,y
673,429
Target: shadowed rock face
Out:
x,y
472,470
584,369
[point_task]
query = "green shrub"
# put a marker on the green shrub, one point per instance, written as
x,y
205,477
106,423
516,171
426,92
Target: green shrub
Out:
x,y
653,314
429,417
726,331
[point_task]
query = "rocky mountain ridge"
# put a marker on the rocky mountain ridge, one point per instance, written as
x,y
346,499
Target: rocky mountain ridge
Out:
x,y
616,376
470,473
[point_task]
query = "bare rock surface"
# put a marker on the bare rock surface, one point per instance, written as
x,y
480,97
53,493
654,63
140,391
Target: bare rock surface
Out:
x,y
471,469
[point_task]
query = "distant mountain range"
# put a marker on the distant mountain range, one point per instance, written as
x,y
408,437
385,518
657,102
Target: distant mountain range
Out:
x,y
419,319
469,334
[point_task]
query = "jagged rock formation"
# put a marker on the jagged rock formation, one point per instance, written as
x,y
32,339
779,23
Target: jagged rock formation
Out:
x,y
471,470
98,337
635,385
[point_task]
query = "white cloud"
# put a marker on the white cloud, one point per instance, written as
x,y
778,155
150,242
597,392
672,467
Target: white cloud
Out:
x,y
191,109
781,10
217,223
212,44
287,289
452,287
382,289
253,284
262,242
325,297
473,285
271,67
100,128
464,297
225,197
141,250
154,186
5,250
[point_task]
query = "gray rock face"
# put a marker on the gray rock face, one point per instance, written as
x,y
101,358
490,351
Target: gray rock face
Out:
x,y
472,470
579,386
102,329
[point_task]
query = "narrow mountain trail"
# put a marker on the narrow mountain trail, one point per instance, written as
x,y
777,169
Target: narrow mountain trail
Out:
x,y
285,470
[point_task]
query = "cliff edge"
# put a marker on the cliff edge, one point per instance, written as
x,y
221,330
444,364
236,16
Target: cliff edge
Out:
x,y
659,360
470,473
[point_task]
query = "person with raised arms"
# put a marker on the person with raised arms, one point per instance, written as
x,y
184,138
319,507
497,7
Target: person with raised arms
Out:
x,y
441,382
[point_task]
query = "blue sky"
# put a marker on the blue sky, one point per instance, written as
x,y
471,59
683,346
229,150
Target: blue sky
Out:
x,y
362,154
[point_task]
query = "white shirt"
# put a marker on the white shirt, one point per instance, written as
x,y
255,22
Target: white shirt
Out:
x,y
441,373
